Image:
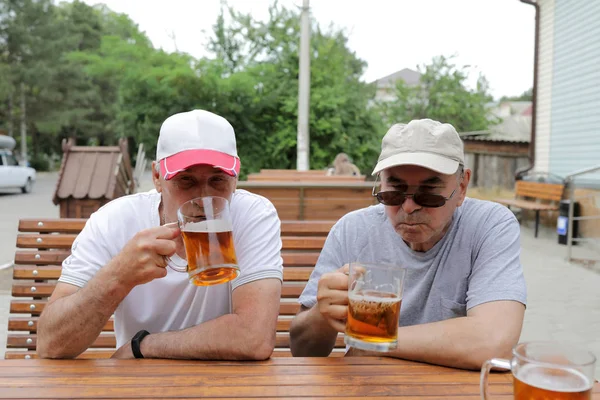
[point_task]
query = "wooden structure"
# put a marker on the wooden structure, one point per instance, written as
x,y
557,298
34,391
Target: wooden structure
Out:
x,y
313,200
529,196
91,177
278,378
43,245
292,175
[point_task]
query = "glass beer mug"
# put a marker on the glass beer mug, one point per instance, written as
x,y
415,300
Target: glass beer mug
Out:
x,y
546,370
374,300
206,228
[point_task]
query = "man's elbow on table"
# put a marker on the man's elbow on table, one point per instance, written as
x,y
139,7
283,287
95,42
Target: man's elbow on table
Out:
x,y
47,348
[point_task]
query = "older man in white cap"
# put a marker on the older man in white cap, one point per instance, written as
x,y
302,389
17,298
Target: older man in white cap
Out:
x,y
464,293
118,262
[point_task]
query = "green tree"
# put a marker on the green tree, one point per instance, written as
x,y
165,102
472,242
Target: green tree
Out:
x,y
260,65
442,94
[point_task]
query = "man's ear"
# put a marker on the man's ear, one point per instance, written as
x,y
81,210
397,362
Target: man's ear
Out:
x,y
464,185
156,176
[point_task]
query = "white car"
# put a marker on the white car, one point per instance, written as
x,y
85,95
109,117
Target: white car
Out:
x,y
13,175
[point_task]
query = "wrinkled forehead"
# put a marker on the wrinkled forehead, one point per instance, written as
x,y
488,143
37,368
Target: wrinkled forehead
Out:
x,y
414,175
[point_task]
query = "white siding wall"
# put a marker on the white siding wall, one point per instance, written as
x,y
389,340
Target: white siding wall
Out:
x,y
544,98
575,125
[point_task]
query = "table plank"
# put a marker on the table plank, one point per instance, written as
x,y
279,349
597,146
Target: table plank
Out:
x,y
325,378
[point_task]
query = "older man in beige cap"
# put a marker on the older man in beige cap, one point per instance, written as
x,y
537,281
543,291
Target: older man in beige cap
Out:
x,y
464,291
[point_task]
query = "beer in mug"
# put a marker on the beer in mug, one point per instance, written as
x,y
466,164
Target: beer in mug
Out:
x,y
374,300
373,316
546,370
210,253
538,382
206,228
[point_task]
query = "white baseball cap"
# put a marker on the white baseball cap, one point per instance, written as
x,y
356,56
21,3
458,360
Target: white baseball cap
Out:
x,y
424,142
196,137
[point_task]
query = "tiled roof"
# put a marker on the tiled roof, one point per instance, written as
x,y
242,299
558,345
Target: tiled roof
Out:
x,y
94,172
516,129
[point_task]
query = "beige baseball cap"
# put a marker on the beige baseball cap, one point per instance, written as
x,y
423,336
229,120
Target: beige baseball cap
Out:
x,y
424,142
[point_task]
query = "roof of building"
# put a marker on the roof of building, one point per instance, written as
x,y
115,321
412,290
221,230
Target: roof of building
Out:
x,y
411,77
515,128
94,172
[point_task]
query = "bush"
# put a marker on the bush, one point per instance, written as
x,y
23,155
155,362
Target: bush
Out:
x,y
40,162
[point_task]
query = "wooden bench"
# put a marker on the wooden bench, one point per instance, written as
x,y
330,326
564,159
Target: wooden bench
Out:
x,y
44,244
292,175
313,200
529,196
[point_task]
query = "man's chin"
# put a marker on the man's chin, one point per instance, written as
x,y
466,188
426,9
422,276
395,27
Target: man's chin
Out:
x,y
412,233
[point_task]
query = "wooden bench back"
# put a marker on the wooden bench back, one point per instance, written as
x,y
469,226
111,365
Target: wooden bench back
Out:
x,y
313,200
538,190
44,244
292,175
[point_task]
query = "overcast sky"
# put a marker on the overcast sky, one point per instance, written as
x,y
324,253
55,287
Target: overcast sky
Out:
x,y
495,37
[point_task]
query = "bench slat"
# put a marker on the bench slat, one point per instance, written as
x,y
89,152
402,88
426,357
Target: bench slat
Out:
x,y
63,225
30,324
25,307
45,289
52,272
45,241
75,225
56,257
304,228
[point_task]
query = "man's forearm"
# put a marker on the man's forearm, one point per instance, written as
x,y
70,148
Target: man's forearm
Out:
x,y
311,335
69,325
460,342
224,338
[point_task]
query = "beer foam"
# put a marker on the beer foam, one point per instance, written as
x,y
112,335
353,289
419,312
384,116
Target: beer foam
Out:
x,y
214,225
374,297
565,380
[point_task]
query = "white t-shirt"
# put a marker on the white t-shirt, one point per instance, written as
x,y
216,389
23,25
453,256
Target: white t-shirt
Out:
x,y
173,303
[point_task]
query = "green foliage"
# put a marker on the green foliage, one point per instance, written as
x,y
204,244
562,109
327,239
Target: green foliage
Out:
x,y
442,94
89,73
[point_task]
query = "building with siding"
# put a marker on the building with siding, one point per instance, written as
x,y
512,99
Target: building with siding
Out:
x,y
567,127
568,95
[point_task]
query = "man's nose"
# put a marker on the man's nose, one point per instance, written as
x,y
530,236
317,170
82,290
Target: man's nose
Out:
x,y
409,206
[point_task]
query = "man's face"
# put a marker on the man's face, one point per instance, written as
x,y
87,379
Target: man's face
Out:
x,y
197,181
422,227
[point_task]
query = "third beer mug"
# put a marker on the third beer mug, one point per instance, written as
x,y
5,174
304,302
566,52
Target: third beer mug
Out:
x,y
546,370
375,296
206,227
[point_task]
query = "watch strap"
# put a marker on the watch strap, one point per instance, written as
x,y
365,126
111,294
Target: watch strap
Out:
x,y
136,342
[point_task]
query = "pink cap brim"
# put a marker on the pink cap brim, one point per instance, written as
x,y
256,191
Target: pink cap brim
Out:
x,y
172,165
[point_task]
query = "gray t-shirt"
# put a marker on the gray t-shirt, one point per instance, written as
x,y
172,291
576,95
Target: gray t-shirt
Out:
x,y
477,260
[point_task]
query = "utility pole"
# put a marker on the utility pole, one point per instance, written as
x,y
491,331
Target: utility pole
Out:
x,y
303,144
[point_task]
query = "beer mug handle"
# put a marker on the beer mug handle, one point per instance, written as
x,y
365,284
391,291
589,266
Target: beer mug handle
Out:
x,y
175,262
485,372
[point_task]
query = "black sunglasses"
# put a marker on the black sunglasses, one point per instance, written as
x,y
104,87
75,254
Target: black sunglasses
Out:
x,y
398,197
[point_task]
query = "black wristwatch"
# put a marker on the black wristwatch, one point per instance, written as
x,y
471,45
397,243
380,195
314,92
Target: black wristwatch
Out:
x,y
136,342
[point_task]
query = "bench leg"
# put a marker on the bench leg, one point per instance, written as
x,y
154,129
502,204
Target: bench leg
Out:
x,y
537,222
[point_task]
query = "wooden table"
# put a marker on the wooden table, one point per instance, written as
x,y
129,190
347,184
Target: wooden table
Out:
x,y
338,378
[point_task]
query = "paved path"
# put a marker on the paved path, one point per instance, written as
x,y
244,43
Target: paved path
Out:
x,y
563,298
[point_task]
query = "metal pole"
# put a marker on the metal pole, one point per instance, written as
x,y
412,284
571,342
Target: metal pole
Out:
x,y
303,145
24,156
570,224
